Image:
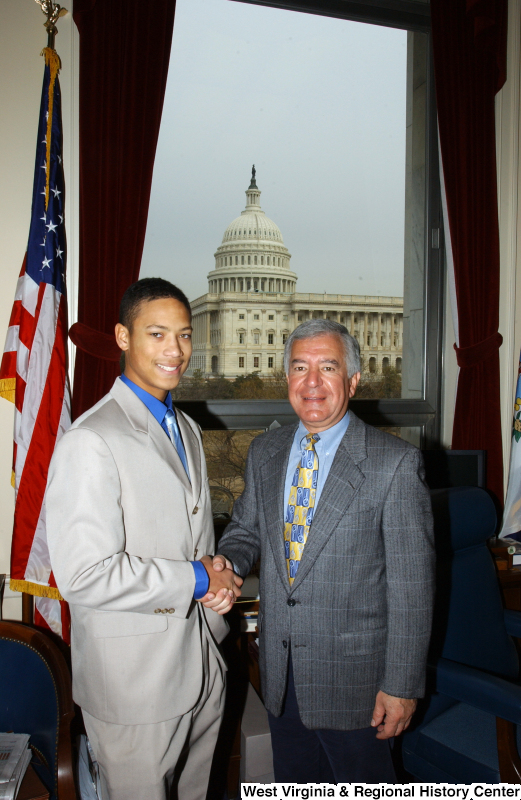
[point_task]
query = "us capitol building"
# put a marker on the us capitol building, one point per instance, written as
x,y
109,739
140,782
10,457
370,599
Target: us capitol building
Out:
x,y
252,305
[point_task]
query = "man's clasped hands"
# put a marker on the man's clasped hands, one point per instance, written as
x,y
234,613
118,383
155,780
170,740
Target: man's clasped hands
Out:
x,y
224,587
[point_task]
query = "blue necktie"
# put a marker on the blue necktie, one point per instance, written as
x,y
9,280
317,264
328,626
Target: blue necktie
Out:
x,y
175,436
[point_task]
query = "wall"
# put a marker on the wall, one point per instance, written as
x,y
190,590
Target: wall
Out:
x,y
508,116
508,110
22,38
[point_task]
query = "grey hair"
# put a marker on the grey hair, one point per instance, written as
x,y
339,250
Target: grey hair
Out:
x,y
325,327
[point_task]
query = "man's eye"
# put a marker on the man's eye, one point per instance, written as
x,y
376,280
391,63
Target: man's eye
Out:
x,y
156,334
186,336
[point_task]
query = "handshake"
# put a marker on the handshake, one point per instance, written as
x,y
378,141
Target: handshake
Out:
x,y
224,587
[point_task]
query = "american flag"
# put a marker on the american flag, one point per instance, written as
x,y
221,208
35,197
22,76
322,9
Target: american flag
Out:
x,y
33,373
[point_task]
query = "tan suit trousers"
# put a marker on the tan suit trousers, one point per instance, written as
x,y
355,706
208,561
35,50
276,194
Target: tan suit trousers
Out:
x,y
138,762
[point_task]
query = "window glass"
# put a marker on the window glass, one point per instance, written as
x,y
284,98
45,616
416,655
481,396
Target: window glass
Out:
x,y
330,224
225,453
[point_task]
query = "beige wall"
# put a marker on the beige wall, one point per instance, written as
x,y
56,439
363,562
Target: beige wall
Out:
x,y
508,111
22,38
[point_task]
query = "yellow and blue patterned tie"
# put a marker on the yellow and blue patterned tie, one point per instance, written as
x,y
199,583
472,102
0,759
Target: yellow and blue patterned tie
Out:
x,y
301,504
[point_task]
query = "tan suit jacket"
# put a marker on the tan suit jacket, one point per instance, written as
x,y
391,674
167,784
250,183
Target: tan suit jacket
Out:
x,y
123,524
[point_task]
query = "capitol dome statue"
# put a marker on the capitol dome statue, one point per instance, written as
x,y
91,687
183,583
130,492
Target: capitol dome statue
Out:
x,y
241,325
252,255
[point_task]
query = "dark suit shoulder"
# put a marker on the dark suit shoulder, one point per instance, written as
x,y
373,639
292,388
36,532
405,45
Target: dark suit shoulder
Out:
x,y
378,438
267,444
373,446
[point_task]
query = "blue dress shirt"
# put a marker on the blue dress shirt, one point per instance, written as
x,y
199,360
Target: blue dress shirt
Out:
x,y
158,410
325,449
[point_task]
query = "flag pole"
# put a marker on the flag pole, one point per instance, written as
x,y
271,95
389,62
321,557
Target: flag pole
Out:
x,y
53,12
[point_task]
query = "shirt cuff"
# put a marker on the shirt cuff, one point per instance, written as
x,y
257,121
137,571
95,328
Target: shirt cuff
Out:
x,y
202,580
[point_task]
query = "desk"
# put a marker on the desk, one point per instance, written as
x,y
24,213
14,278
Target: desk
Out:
x,y
32,788
509,577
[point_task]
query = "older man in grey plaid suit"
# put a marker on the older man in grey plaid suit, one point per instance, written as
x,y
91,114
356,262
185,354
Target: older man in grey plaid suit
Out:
x,y
340,516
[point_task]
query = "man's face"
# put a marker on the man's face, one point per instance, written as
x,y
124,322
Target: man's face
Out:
x,y
159,346
319,389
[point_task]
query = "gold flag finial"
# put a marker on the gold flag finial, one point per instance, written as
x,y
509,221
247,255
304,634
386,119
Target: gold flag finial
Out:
x,y
52,11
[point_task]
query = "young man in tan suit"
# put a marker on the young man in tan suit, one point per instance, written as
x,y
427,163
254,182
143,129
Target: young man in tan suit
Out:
x,y
129,523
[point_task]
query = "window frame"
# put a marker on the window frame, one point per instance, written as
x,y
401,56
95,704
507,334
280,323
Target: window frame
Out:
x,y
425,413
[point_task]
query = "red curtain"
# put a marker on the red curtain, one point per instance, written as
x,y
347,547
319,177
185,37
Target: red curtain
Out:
x,y
469,46
124,57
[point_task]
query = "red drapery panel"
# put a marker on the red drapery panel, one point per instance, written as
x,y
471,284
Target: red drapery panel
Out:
x,y
469,45
124,57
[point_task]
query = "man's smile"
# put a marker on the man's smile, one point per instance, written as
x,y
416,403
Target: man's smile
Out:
x,y
167,368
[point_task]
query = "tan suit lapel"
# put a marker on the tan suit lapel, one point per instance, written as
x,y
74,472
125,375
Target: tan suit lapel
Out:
x,y
193,454
142,420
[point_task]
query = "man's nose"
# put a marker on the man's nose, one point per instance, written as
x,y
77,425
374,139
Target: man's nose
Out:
x,y
173,347
313,377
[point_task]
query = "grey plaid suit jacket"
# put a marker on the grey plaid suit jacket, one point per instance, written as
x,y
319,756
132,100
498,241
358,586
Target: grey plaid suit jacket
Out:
x,y
358,616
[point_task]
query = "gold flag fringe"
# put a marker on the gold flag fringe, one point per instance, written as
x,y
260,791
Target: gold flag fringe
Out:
x,y
52,60
8,388
13,479
35,589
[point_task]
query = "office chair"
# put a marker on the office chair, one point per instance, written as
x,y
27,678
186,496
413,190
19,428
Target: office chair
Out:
x,y
36,698
466,730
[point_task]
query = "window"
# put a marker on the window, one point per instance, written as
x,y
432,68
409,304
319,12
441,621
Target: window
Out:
x,y
241,362
271,316
256,360
284,338
255,316
284,317
241,316
270,338
241,338
256,338
242,259
383,325
270,362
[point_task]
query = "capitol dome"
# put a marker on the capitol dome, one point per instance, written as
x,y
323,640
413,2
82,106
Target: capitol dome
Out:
x,y
252,255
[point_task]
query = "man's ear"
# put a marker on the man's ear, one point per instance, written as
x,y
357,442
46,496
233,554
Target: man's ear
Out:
x,y
353,383
122,336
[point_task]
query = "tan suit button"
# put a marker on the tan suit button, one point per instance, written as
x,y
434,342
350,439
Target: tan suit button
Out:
x,y
157,611
196,509
171,610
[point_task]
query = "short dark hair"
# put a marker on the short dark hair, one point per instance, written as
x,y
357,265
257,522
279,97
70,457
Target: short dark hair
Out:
x,y
144,291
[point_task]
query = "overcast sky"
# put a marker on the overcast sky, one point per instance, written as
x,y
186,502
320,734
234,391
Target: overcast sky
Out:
x,y
318,105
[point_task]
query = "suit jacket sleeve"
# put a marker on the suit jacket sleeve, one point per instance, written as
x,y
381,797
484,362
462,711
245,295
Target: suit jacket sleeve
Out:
x,y
86,536
241,540
409,557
